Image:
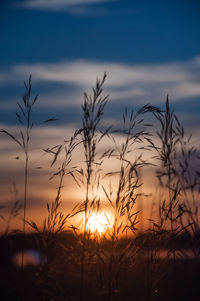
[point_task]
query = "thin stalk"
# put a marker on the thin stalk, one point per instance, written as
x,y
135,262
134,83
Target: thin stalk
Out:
x,y
24,119
25,198
92,107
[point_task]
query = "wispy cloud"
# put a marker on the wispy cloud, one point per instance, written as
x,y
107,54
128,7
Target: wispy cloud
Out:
x,y
72,6
42,190
144,83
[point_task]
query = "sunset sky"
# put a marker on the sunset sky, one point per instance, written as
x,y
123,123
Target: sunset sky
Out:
x,y
148,48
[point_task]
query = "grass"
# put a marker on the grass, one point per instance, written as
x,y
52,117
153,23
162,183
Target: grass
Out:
x,y
121,263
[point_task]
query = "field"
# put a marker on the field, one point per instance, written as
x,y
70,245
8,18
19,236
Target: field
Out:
x,y
109,256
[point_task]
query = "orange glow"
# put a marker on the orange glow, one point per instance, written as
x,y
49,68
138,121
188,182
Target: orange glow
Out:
x,y
98,223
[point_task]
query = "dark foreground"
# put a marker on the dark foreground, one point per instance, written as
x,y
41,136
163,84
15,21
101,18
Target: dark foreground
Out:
x,y
55,271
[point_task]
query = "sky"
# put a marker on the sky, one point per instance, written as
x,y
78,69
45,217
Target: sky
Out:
x,y
149,49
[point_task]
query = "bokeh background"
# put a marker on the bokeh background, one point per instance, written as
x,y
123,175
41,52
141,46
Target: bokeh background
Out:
x,y
148,48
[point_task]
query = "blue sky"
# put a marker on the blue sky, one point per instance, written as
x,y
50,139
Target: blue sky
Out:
x,y
156,43
159,39
125,31
148,48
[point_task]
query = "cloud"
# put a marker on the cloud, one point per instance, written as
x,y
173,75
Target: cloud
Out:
x,y
40,189
143,83
72,6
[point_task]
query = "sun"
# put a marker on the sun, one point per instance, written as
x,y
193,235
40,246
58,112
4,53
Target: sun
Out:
x,y
98,223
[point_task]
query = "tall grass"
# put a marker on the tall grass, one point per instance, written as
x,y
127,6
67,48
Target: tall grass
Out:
x,y
24,118
102,264
92,109
174,172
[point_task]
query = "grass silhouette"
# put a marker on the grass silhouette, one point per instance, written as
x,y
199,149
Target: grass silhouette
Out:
x,y
121,263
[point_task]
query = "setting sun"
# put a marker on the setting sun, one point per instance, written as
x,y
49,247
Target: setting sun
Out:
x,y
98,222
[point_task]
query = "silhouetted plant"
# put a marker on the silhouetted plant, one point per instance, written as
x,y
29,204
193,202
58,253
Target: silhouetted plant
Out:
x,y
13,210
169,150
25,120
93,110
102,265
123,199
